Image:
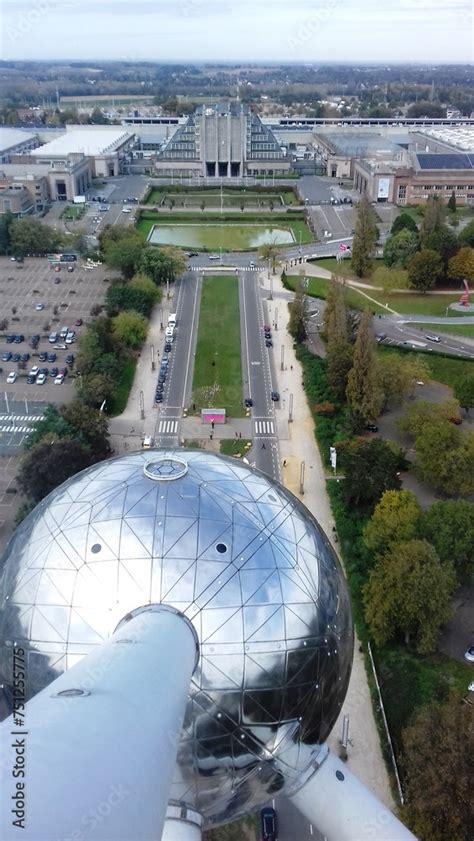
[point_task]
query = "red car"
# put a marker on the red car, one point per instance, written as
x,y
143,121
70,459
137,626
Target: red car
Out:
x,y
78,322
57,268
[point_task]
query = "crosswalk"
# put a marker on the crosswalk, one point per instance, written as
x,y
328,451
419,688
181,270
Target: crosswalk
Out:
x,y
19,418
168,427
264,427
14,429
228,268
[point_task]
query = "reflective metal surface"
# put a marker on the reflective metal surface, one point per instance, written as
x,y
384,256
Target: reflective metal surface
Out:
x,y
242,559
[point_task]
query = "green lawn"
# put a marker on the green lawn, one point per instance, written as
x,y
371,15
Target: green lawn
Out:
x,y
73,212
455,329
234,446
318,288
217,378
443,369
119,401
193,198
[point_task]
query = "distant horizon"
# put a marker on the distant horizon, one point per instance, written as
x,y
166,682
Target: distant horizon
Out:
x,y
209,31
236,62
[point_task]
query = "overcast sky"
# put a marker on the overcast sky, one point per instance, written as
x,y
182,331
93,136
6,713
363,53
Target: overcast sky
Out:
x,y
276,30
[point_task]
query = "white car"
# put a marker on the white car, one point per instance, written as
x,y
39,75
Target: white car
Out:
x,y
39,307
33,371
126,210
12,377
41,379
59,380
70,338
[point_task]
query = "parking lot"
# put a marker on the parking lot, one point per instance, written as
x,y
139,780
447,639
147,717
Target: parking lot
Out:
x,y
65,298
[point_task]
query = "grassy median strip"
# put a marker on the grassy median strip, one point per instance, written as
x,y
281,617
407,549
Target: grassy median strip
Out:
x,y
217,379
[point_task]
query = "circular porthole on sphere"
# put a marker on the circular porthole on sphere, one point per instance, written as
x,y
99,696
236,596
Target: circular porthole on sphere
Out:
x,y
221,547
96,548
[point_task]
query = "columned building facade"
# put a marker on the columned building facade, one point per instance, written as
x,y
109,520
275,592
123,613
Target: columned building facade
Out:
x,y
225,140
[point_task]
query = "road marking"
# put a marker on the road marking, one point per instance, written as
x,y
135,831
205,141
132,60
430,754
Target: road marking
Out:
x,y
191,337
264,428
243,288
311,829
168,427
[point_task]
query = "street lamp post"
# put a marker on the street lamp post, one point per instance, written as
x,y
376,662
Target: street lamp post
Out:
x,y
302,466
282,357
152,355
290,409
161,318
276,318
142,406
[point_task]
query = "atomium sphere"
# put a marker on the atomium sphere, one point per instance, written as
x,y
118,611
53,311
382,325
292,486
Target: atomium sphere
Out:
x,y
238,555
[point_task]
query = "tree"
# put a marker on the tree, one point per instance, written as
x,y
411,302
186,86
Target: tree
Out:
x,y
437,759
5,238
269,251
144,284
96,387
396,518
203,205
423,413
52,424
404,222
90,427
466,236
365,237
464,391
461,266
122,296
371,468
162,264
339,348
452,203
130,328
49,463
433,217
390,279
444,242
30,236
297,307
396,375
362,392
425,270
449,526
125,254
445,459
409,593
400,247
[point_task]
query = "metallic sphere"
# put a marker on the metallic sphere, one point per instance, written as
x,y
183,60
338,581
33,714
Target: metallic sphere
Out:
x,y
236,553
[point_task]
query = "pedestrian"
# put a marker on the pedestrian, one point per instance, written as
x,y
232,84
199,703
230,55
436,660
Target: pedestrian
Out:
x,y
240,435
212,424
263,446
291,367
194,407
210,436
284,462
236,434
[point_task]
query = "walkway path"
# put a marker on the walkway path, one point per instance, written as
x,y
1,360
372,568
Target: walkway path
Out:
x,y
297,445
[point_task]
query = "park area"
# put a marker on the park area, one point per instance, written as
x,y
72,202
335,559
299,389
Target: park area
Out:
x,y
236,198
217,379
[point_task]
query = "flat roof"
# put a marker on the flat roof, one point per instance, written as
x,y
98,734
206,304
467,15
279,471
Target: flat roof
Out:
x,y
88,142
460,137
360,143
10,137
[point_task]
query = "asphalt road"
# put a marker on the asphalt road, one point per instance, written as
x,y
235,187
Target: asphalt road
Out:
x,y
258,376
399,331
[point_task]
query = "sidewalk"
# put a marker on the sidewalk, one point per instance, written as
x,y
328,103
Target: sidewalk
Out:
x,y
297,445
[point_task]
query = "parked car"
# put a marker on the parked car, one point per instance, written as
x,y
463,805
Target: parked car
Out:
x,y
269,824
12,377
41,379
159,397
39,307
60,346
6,356
248,402
53,337
70,269
78,322
70,338
275,395
25,357
30,380
9,339
59,380
43,356
44,371
19,339
16,357
381,336
371,427
167,347
53,372
51,357
266,328
469,654
268,343
57,268
33,371
70,359
63,372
